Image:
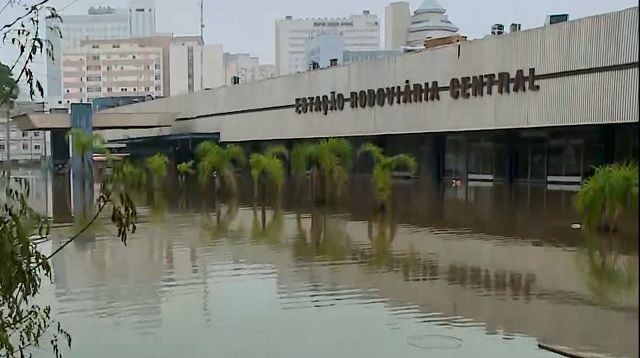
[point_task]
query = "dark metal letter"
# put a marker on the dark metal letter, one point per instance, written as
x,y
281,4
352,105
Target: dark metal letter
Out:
x,y
454,88
465,86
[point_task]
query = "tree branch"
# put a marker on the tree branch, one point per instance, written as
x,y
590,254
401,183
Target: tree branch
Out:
x,y
32,9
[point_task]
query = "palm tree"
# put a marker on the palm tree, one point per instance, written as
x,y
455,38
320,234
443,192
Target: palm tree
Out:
x,y
327,161
268,166
83,144
184,170
213,159
383,170
603,198
158,165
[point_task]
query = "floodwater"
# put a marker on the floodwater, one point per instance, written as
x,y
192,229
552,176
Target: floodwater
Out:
x,y
473,271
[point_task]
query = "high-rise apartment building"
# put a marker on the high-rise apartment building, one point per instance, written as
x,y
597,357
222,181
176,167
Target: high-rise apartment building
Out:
x,y
397,18
109,68
142,18
100,23
360,32
195,66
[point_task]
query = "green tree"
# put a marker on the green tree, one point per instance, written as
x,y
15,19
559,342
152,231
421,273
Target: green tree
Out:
x,y
185,169
9,89
604,197
158,165
217,161
383,169
23,322
326,162
268,167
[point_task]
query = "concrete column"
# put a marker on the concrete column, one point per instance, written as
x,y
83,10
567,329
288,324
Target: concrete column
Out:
x,y
434,158
82,163
60,182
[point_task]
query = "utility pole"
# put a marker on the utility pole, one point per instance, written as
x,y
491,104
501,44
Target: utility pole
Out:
x,y
202,46
8,140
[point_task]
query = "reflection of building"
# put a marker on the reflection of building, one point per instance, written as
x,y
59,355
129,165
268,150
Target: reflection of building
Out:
x,y
360,32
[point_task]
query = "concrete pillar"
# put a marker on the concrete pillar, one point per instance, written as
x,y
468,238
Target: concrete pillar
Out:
x,y
60,182
434,158
82,163
511,156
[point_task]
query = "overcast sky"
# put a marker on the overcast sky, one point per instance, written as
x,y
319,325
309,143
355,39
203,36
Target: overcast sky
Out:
x,y
248,25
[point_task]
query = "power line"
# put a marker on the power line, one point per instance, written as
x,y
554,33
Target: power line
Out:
x,y
66,6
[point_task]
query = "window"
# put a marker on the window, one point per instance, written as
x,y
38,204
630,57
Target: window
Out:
x,y
108,68
148,67
36,146
157,66
109,89
25,146
133,57
157,88
36,134
115,46
157,77
95,46
95,57
25,134
146,89
1,146
135,89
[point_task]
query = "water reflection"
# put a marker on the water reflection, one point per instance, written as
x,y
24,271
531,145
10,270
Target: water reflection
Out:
x,y
491,269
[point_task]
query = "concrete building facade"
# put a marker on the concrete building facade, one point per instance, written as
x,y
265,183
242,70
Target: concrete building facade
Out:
x,y
525,106
142,18
194,67
323,48
99,23
397,19
22,146
112,68
360,32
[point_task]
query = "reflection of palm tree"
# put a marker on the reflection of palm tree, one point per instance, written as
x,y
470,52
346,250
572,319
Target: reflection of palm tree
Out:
x,y
329,239
607,273
268,232
223,222
381,240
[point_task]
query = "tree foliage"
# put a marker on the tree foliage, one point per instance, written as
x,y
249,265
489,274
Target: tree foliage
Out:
x,y
214,160
384,167
158,165
327,162
24,34
23,322
604,197
9,89
268,167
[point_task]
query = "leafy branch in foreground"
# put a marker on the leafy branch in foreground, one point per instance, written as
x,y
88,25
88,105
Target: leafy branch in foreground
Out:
x,y
23,322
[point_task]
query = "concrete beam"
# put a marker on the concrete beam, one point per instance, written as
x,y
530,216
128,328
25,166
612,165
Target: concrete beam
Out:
x,y
50,121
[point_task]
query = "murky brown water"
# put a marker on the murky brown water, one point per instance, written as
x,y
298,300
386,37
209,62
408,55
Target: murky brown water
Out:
x,y
480,271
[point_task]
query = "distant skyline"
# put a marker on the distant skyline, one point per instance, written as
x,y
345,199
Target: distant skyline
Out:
x,y
249,26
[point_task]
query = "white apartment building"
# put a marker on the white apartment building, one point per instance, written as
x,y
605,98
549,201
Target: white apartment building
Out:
x,y
142,18
194,66
99,24
21,146
246,67
360,32
106,68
